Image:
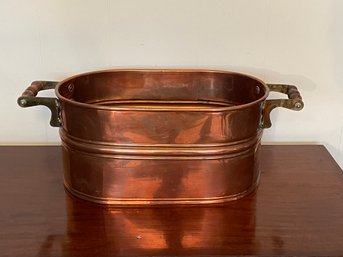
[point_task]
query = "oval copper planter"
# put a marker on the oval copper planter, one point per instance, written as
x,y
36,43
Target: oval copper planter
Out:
x,y
161,136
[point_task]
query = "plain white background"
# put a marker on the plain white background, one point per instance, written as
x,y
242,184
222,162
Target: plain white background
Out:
x,y
280,41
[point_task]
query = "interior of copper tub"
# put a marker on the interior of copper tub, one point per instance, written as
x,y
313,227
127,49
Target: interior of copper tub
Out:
x,y
161,89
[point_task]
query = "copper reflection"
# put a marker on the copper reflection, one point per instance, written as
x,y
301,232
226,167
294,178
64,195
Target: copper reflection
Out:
x,y
160,230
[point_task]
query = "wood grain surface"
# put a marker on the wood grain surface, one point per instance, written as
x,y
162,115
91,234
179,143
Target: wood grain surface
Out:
x,y
297,210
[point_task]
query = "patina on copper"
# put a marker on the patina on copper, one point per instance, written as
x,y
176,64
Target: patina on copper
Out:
x,y
161,136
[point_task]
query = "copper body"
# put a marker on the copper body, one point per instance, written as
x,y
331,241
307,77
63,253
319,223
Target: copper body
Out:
x,y
161,137
150,137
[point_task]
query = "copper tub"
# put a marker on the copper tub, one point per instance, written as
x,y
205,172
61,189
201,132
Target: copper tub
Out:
x,y
149,137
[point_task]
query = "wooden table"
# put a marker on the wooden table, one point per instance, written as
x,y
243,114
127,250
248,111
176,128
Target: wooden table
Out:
x,y
297,210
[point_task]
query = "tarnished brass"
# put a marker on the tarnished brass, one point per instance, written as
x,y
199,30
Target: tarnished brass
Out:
x,y
28,99
294,101
151,137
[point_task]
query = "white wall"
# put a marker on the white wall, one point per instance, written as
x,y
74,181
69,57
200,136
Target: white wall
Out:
x,y
283,41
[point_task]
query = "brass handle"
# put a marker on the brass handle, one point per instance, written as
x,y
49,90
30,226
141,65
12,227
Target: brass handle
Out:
x,y
294,101
28,98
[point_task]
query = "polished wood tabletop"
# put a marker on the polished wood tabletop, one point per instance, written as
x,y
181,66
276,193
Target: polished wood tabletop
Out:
x,y
297,210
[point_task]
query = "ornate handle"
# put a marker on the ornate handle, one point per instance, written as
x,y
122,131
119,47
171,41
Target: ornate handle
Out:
x,y
28,98
294,101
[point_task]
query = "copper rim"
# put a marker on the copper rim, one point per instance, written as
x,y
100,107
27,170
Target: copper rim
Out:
x,y
235,107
